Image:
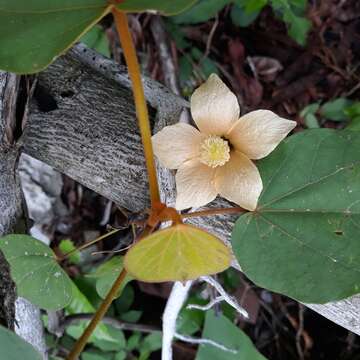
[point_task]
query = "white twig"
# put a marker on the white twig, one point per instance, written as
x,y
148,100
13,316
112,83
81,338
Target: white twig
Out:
x,y
207,306
174,304
229,299
192,340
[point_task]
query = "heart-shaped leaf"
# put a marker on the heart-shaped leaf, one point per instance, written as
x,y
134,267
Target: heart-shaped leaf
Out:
x,y
178,253
34,33
13,347
38,277
303,239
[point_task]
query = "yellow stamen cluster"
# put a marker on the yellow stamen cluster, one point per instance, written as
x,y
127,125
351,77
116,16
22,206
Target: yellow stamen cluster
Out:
x,y
214,151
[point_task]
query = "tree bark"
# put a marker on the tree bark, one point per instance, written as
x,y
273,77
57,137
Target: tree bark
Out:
x,y
82,122
28,324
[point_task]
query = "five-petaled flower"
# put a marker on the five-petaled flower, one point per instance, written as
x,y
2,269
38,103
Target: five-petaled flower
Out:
x,y
216,159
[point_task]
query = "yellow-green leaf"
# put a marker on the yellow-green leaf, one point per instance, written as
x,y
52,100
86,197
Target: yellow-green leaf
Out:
x,y
178,253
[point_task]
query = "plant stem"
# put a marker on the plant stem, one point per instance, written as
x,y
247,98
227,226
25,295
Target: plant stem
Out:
x,y
101,311
214,211
84,246
81,342
139,98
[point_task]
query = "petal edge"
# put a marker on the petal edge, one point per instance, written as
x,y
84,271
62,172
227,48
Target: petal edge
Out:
x,y
175,144
239,181
259,132
195,185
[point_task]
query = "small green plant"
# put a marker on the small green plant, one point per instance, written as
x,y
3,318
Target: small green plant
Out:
x,y
244,12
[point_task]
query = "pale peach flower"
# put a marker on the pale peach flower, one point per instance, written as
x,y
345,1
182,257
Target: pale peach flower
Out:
x,y
216,159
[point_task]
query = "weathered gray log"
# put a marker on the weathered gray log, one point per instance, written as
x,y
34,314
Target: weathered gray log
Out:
x,y
91,135
28,324
82,122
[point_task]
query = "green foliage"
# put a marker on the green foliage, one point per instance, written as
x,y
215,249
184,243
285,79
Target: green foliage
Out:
x,y
80,305
66,246
96,39
353,112
13,347
107,273
190,321
335,110
37,275
150,343
292,11
244,12
165,7
34,33
340,109
201,12
224,332
310,119
241,17
302,241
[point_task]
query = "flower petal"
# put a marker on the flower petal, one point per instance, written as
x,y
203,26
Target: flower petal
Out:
x,y
239,181
257,133
175,144
195,185
214,107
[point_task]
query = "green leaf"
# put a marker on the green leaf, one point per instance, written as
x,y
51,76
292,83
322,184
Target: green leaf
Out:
x,y
165,7
150,343
353,110
354,124
93,355
302,241
34,33
66,246
242,18
206,65
132,316
121,355
124,301
13,347
133,341
251,5
310,109
335,110
190,320
106,275
224,332
292,13
201,12
308,113
96,39
299,28
118,342
38,276
79,305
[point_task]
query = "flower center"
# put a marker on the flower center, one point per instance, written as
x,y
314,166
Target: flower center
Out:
x,y
214,151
